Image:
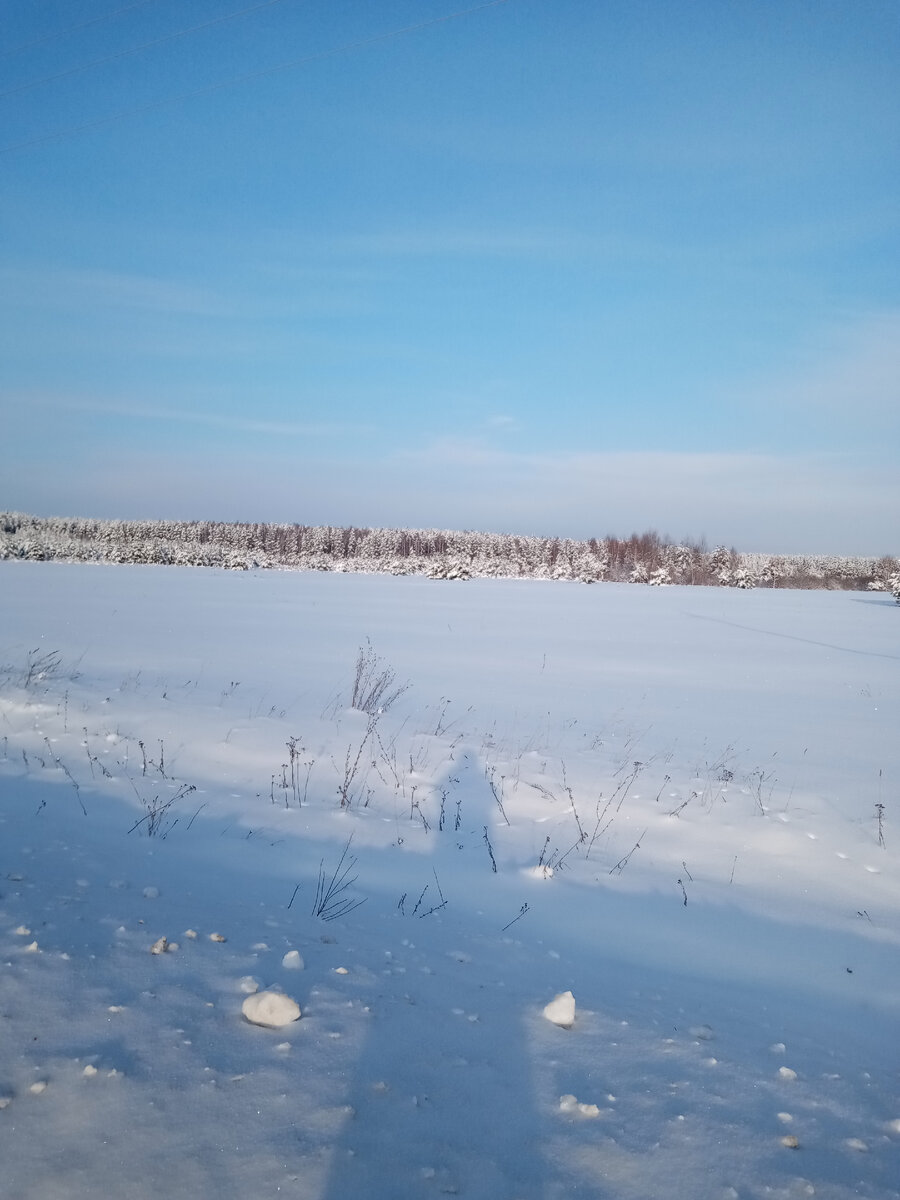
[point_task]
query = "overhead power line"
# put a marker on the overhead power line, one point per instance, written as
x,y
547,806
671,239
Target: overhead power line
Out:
x,y
51,37
247,77
160,41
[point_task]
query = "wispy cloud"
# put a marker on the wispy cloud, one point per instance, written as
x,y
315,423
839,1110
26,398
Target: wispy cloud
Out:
x,y
507,240
61,287
846,377
358,253
857,374
139,410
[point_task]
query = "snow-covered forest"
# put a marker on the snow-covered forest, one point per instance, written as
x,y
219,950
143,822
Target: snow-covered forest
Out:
x,y
441,554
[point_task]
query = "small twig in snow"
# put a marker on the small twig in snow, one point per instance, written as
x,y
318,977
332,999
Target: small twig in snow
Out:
x,y
623,862
498,794
487,842
196,815
879,812
522,911
330,901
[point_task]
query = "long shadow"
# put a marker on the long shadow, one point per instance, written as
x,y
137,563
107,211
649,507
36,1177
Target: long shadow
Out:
x,y
443,1093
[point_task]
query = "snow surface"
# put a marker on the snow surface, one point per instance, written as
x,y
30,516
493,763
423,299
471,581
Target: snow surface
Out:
x,y
660,800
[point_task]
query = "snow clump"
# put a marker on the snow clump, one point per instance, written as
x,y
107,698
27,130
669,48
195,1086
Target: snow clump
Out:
x,y
571,1105
272,1009
561,1010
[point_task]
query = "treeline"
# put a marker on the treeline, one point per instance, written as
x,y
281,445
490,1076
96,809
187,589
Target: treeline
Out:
x,y
440,554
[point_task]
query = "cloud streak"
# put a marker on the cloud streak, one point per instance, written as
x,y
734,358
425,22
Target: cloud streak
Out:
x,y
856,374
63,287
129,410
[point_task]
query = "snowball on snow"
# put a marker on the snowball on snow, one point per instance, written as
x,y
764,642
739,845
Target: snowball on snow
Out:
x,y
570,1104
561,1010
272,1009
292,961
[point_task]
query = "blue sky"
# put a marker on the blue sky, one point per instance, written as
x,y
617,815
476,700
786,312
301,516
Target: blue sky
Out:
x,y
546,267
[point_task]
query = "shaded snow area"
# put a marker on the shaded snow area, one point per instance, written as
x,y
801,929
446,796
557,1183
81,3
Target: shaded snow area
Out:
x,y
604,903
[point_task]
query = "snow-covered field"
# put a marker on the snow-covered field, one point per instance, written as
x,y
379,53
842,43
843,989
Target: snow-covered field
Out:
x,y
661,800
